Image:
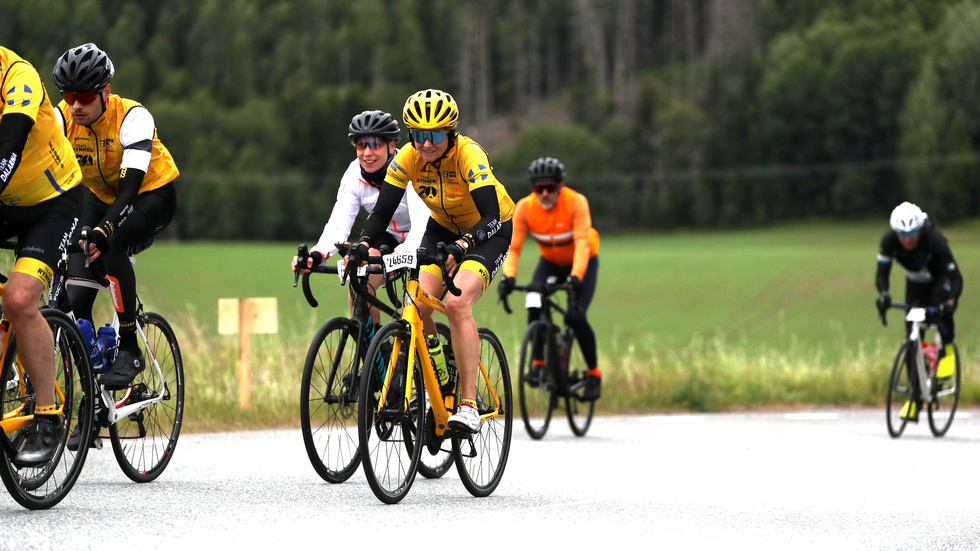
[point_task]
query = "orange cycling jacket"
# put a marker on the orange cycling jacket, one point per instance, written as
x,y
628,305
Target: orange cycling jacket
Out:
x,y
564,232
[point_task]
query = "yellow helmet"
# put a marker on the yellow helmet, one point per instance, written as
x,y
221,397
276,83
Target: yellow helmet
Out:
x,y
430,109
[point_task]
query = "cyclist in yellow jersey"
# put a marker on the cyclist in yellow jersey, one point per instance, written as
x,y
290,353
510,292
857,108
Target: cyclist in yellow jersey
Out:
x,y
131,176
470,210
39,201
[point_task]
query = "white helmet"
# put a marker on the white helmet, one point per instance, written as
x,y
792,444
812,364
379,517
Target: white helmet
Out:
x,y
907,218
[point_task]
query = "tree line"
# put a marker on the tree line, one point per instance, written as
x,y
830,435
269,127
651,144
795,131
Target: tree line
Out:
x,y
667,113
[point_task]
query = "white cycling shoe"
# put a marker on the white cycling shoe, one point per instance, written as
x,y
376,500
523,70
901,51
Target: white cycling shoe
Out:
x,y
467,418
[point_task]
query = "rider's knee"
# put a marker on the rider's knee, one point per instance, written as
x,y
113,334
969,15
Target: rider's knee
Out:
x,y
20,303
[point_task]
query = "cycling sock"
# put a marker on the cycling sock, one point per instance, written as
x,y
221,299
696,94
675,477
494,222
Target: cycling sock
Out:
x,y
127,337
46,410
593,372
467,402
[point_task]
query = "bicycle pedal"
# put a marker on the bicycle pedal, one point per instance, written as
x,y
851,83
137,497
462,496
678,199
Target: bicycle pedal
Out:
x,y
96,443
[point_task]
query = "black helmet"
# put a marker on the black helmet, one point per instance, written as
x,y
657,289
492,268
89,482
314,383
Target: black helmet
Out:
x,y
83,69
373,123
546,168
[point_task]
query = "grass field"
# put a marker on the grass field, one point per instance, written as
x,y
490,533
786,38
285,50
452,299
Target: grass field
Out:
x,y
685,321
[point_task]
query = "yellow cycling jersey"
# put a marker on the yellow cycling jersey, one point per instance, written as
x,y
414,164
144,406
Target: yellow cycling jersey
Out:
x,y
100,152
47,167
445,188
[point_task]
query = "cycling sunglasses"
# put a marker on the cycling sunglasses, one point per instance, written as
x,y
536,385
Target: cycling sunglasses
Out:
x,y
84,97
541,188
372,143
434,136
908,234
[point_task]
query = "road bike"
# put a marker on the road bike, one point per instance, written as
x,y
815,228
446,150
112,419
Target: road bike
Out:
x,y
332,371
144,419
46,485
551,364
408,411
913,377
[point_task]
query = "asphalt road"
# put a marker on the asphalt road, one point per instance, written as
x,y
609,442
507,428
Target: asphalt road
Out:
x,y
829,479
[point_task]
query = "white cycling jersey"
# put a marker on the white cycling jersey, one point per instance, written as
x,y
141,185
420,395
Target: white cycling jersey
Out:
x,y
407,225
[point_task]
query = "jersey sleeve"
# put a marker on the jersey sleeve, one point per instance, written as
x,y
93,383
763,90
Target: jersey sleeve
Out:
x,y
22,91
517,239
136,136
581,225
886,254
60,117
342,217
948,267
476,167
398,169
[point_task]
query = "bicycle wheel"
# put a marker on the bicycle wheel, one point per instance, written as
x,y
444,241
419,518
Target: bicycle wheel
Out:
x,y
900,389
947,396
481,459
45,486
537,388
388,431
328,401
579,411
144,442
435,465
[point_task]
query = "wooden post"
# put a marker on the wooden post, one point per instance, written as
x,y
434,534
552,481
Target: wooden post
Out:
x,y
244,353
246,316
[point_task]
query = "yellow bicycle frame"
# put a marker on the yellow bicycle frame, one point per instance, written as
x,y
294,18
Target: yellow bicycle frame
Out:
x,y
414,295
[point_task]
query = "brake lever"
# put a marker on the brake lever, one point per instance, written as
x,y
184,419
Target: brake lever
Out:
x,y
302,255
84,236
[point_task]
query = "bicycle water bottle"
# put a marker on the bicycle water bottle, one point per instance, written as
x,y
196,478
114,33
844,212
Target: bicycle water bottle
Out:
x,y
88,335
107,345
932,355
439,363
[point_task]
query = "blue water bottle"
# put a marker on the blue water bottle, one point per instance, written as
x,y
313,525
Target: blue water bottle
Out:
x,y
107,344
88,334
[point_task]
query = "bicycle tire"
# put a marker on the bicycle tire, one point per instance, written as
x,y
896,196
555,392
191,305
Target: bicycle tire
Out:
x,y
900,390
482,472
389,435
438,464
537,387
144,442
942,408
328,401
579,411
45,486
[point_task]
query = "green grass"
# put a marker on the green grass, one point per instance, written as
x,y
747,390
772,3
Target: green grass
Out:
x,y
685,321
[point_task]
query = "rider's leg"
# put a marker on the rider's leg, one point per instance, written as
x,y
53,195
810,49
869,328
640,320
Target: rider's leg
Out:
x,y
35,348
41,231
150,213
577,317
35,344
941,293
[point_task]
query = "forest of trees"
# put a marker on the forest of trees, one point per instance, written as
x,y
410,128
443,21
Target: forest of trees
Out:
x,y
667,113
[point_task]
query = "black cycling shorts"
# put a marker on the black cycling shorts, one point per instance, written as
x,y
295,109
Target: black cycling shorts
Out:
x,y
484,260
43,231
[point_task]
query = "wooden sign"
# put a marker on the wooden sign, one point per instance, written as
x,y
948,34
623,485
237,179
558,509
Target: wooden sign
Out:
x,y
246,316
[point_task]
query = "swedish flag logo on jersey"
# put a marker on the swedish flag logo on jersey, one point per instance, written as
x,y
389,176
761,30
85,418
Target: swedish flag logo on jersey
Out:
x,y
482,174
19,95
